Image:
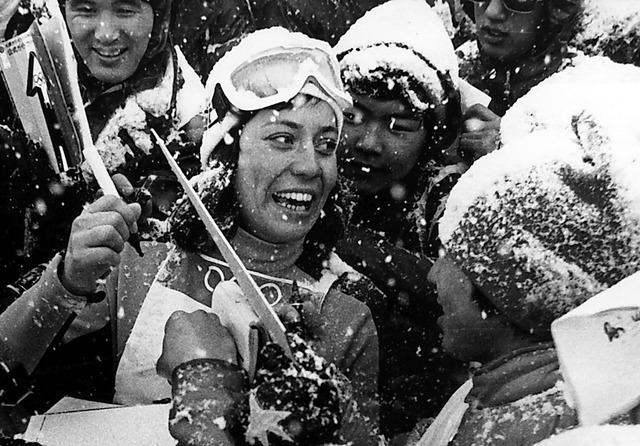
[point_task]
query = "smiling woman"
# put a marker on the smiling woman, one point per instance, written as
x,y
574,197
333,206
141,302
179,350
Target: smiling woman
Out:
x,y
286,169
269,179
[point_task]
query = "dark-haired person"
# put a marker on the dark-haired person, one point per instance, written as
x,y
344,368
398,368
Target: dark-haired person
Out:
x,y
131,80
399,65
272,185
530,232
519,43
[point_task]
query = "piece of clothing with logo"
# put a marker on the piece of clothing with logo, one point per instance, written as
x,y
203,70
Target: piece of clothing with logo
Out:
x,y
41,205
518,399
394,243
186,281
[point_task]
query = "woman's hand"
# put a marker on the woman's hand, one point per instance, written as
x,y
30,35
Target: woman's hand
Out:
x,y
194,335
97,238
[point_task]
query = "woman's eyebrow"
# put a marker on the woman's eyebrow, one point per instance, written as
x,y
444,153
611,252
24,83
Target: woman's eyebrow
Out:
x,y
295,126
128,2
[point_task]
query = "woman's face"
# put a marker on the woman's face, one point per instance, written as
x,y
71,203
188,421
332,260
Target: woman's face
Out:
x,y
111,35
286,169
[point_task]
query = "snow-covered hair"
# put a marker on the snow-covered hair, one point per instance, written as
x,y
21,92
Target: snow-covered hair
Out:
x,y
401,49
549,220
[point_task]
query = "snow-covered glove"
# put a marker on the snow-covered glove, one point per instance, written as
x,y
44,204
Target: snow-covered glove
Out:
x,y
297,401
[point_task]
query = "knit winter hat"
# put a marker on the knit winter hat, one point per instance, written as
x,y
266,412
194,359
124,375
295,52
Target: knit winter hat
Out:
x,y
401,42
548,221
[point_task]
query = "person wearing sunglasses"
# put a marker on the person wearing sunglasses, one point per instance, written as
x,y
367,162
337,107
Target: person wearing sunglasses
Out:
x,y
520,42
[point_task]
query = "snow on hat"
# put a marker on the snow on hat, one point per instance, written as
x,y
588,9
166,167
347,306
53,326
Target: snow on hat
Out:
x,y
401,42
605,435
548,221
592,84
610,29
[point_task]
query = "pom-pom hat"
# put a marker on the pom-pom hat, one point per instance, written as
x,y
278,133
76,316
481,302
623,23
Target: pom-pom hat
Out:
x,y
548,221
404,42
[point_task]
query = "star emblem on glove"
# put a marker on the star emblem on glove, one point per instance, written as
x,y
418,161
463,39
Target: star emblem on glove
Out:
x,y
262,422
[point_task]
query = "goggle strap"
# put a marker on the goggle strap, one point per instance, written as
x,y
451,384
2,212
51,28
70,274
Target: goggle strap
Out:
x,y
220,101
214,134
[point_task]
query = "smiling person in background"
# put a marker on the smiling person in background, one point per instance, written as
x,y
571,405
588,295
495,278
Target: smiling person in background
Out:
x,y
131,80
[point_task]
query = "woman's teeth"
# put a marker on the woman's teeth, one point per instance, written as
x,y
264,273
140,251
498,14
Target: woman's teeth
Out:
x,y
296,201
115,52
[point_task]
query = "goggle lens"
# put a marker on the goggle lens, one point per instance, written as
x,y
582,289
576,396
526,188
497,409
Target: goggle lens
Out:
x,y
519,6
273,78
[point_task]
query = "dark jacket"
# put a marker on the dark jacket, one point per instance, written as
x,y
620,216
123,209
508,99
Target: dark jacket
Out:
x,y
40,206
395,243
506,83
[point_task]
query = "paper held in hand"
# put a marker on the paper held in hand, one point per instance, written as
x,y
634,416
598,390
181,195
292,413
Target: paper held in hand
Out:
x,y
598,345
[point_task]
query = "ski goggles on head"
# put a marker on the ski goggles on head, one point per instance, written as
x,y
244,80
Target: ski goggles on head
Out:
x,y
278,75
517,6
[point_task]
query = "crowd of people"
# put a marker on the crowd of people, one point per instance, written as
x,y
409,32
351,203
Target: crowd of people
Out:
x,y
416,216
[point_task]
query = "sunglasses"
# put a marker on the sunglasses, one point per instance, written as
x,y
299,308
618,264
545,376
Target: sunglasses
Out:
x,y
517,6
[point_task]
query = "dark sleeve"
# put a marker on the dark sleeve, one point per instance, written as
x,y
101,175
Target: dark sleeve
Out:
x,y
209,402
352,345
394,270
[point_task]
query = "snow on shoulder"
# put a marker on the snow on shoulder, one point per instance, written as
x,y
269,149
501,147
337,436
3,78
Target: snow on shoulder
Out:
x,y
594,83
610,28
606,435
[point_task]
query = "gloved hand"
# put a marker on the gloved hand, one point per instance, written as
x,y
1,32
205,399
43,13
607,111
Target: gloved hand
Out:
x,y
97,238
480,133
194,335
